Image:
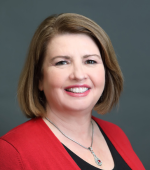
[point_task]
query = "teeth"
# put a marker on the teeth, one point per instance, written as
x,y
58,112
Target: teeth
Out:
x,y
78,90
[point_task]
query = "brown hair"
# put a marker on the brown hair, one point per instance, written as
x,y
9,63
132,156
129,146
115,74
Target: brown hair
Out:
x,y
32,101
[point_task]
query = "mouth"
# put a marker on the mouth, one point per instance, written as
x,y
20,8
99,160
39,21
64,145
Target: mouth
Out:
x,y
77,89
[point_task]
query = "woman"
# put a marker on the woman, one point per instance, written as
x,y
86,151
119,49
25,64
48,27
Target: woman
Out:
x,y
71,69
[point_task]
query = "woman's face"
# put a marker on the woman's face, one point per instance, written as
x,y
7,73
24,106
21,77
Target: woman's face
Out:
x,y
73,73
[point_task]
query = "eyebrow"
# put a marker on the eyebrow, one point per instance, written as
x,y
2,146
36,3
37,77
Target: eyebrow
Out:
x,y
67,57
89,55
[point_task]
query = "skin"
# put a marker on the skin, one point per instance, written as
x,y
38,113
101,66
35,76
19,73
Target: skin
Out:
x,y
75,59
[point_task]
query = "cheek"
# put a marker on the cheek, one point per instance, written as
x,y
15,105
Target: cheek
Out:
x,y
54,78
99,78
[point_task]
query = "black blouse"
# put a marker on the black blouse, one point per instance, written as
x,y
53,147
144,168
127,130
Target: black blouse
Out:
x,y
119,163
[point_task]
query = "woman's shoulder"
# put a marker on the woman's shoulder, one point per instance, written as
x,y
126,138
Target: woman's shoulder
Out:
x,y
22,132
120,141
13,143
106,124
112,130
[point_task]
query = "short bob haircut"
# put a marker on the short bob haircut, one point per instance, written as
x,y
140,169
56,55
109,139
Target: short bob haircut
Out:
x,y
32,101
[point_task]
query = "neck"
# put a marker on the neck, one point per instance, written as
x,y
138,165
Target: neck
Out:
x,y
73,124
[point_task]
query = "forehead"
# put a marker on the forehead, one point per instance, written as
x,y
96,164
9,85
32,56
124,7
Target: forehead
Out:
x,y
69,44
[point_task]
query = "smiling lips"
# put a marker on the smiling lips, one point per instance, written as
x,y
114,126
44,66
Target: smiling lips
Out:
x,y
78,90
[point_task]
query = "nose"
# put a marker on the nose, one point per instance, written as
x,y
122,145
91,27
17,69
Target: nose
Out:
x,y
78,72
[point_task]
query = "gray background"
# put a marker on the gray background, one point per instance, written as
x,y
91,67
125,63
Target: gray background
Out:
x,y
128,25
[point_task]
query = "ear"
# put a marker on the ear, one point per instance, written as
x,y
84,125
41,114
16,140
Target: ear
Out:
x,y
40,85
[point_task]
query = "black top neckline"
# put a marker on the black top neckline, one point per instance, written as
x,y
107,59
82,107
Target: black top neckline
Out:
x,y
119,163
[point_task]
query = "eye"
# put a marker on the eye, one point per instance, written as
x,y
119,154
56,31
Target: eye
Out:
x,y
90,62
61,63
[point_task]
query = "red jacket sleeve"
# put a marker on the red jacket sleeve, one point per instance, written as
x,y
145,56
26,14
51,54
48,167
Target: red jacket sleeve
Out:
x,y
9,157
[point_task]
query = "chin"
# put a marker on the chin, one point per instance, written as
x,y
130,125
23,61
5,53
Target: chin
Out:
x,y
80,106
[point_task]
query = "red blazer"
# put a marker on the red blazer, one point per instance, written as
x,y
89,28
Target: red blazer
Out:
x,y
33,146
